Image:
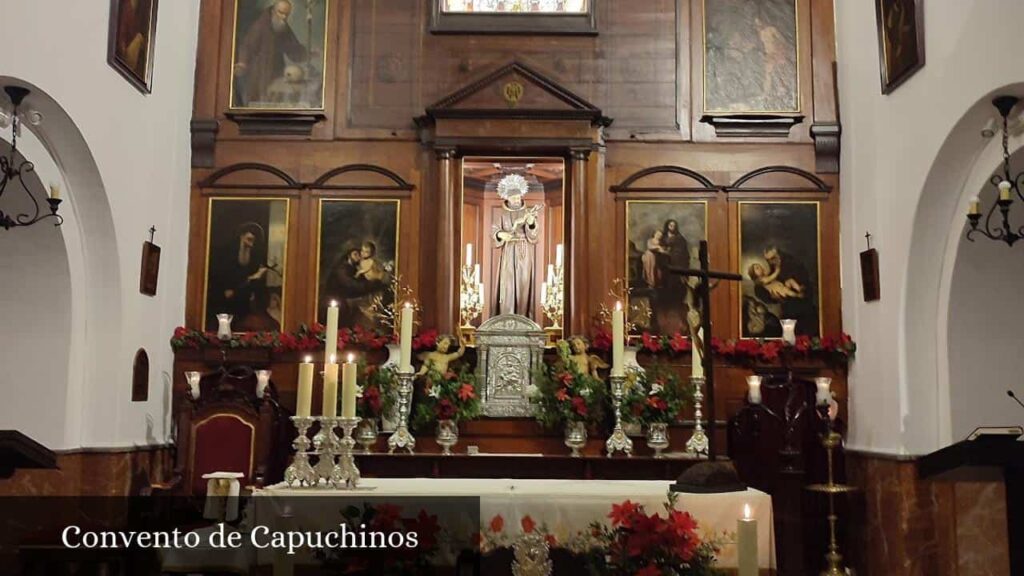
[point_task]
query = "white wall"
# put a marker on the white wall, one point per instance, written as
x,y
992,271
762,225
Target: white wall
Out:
x,y
986,329
908,160
124,157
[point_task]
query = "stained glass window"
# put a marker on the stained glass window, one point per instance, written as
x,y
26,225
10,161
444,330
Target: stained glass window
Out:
x,y
515,6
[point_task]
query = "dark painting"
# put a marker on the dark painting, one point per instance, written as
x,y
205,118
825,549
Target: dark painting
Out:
x,y
661,235
900,40
278,60
358,259
150,269
779,261
750,56
130,50
246,260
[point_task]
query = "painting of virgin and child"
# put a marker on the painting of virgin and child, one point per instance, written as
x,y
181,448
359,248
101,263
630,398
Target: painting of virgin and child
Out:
x,y
661,235
779,261
358,259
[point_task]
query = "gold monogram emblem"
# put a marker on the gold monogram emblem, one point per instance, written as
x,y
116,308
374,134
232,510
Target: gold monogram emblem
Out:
x,y
513,91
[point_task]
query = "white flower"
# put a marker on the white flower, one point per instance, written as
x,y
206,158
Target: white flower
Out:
x,y
359,391
656,389
532,391
434,392
585,392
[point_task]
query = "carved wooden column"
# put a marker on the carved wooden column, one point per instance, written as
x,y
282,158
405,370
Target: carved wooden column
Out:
x,y
576,308
447,245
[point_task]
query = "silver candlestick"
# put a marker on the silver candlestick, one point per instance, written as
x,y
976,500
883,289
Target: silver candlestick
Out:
x,y
300,472
324,446
345,474
402,439
618,441
697,445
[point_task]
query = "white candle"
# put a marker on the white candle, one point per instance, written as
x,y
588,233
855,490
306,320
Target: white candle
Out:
x,y
824,390
476,273
551,273
331,336
558,256
480,287
330,408
55,191
543,293
618,340
304,399
975,205
746,543
1004,190
405,339
789,331
348,388
697,357
754,389
469,254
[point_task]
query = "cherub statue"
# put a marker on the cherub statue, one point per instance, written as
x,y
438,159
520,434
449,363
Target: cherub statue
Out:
x,y
439,358
585,363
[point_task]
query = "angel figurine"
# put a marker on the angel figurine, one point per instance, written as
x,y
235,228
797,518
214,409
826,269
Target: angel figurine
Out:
x,y
439,358
585,363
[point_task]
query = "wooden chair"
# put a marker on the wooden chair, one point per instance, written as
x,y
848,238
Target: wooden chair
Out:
x,y
227,428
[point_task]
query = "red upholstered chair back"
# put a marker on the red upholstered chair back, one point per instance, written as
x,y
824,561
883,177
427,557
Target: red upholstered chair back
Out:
x,y
221,442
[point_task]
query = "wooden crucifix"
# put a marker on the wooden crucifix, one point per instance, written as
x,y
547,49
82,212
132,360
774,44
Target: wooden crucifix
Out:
x,y
703,293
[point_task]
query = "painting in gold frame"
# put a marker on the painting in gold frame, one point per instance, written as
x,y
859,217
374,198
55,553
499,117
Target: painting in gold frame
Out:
x,y
780,261
279,55
357,258
751,57
246,263
130,42
900,40
661,234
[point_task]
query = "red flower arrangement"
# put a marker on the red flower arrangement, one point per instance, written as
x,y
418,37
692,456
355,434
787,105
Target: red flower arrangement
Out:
x,y
564,394
305,339
375,382
747,350
388,519
450,396
644,544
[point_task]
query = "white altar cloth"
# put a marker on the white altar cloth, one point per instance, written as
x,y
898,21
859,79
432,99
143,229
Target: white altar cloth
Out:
x,y
567,506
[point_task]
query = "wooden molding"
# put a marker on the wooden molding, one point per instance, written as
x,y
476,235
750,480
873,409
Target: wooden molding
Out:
x,y
827,146
627,185
204,141
752,125
275,123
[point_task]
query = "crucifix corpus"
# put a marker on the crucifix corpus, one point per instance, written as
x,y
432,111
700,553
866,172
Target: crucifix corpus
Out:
x,y
701,340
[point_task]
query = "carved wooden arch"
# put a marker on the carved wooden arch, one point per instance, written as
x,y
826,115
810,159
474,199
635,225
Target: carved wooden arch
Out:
x,y
816,184
627,185
399,182
213,180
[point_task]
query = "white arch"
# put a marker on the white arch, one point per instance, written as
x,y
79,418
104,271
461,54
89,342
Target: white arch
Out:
x,y
963,164
88,231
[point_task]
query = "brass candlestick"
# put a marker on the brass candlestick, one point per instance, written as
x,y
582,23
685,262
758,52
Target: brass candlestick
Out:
x,y
833,559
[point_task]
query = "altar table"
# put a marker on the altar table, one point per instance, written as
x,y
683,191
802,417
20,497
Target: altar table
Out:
x,y
568,506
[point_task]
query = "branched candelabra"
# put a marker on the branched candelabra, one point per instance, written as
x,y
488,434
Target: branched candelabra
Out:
x,y
471,295
336,466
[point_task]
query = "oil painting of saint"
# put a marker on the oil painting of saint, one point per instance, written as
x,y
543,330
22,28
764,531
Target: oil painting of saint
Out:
x,y
246,263
358,259
132,25
278,59
779,254
661,235
750,57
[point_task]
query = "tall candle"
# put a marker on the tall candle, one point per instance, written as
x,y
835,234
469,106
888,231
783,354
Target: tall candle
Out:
x,y
543,292
618,340
746,543
754,389
331,336
558,255
331,388
975,206
551,274
304,399
480,288
789,331
476,273
469,254
697,357
348,388
823,394
405,339
55,191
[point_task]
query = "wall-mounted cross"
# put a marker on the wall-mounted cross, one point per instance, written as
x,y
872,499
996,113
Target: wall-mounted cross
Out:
x,y
703,291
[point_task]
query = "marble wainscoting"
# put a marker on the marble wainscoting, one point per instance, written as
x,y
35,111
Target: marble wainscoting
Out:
x,y
902,525
94,473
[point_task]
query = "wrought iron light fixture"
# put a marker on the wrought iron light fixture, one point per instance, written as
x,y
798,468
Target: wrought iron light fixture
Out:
x,y
1007,184
12,169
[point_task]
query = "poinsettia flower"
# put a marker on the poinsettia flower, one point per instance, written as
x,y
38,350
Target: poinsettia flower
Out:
x,y
579,405
561,395
551,540
467,392
622,514
497,523
566,378
528,524
446,410
651,342
602,339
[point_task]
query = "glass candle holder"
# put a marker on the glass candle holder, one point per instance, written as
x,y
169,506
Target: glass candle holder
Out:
x,y
789,331
224,326
754,389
